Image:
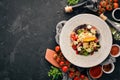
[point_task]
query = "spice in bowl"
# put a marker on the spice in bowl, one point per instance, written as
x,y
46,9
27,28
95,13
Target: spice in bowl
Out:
x,y
108,68
115,50
96,72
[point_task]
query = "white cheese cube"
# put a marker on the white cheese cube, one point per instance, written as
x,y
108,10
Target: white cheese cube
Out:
x,y
79,48
89,26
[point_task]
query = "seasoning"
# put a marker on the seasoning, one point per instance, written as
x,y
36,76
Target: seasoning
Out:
x,y
107,67
114,50
96,71
116,14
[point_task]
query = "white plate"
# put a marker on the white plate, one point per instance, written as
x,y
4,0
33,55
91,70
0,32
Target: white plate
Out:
x,y
105,41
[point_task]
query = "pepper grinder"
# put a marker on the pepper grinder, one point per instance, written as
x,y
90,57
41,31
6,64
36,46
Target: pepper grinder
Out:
x,y
110,22
116,27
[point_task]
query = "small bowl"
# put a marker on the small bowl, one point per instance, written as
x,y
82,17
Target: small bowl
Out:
x,y
94,70
111,70
118,53
116,12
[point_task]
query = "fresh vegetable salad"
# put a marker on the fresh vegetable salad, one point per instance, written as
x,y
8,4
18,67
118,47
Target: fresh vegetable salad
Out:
x,y
85,39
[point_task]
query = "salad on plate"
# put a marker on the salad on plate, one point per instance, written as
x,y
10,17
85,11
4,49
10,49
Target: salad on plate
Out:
x,y
85,39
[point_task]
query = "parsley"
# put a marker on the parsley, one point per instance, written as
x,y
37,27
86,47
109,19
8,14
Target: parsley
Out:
x,y
72,2
55,73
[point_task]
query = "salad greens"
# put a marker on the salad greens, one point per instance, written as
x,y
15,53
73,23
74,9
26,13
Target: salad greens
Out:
x,y
72,2
85,39
55,73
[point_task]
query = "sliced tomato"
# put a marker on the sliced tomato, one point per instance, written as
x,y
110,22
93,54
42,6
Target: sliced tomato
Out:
x,y
77,52
75,38
72,35
74,47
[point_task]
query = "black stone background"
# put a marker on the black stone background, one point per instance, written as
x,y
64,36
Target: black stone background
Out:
x,y
27,29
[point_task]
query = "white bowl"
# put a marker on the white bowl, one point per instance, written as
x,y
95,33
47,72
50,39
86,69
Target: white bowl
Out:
x,y
105,41
113,14
118,52
108,72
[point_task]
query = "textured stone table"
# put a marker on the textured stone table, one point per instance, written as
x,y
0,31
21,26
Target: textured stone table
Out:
x,y
27,28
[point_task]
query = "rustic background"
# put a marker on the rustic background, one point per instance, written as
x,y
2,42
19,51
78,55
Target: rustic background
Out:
x,y
27,29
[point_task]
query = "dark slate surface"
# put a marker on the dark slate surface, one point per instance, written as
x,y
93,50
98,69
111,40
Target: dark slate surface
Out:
x,y
27,28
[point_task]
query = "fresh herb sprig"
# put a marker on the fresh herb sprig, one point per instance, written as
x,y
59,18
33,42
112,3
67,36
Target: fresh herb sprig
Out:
x,y
55,73
72,2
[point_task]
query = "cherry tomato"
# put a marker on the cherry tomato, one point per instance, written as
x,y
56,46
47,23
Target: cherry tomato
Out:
x,y
106,1
103,3
76,78
65,68
72,69
116,5
61,63
102,10
74,47
82,76
109,7
110,1
72,36
62,58
77,73
86,78
94,28
58,60
77,52
71,74
96,40
67,63
57,48
115,1
60,54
